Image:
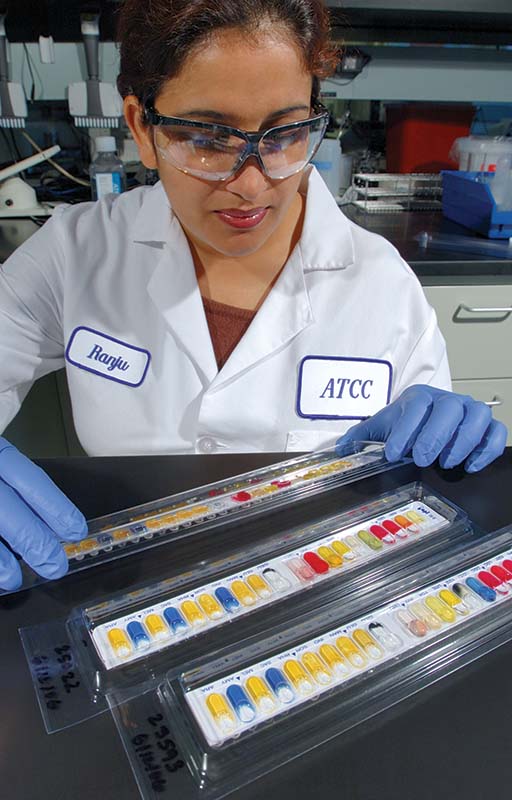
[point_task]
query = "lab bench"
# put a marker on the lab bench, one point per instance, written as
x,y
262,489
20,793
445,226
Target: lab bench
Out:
x,y
477,341
452,739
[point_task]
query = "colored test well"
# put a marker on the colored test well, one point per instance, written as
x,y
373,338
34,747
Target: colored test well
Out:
x,y
316,668
119,642
342,549
382,534
414,516
470,598
260,694
138,635
392,527
276,580
297,676
121,536
357,547
221,712
174,620
351,652
156,626
424,614
243,594
444,612
300,569
210,606
492,582
315,562
332,558
501,573
72,551
489,595
411,623
402,520
106,540
334,660
370,540
455,602
367,643
388,639
258,585
226,599
242,706
279,685
192,613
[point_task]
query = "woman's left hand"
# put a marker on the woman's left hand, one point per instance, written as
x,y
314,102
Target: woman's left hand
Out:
x,y
428,423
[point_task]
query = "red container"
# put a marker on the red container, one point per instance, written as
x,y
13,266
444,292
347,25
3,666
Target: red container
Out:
x,y
419,135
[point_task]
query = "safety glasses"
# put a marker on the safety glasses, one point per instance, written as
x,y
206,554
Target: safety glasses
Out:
x,y
216,152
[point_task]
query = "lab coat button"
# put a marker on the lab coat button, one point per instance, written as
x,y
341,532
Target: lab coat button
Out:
x,y
206,444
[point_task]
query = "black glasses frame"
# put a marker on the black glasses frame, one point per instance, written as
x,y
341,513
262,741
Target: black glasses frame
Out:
x,y
252,138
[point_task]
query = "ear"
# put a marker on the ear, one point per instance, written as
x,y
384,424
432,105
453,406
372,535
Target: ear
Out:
x,y
141,132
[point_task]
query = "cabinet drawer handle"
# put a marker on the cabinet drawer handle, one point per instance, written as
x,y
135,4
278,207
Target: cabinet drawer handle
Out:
x,y
496,401
499,310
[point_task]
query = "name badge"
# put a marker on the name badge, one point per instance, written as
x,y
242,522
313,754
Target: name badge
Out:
x,y
331,387
106,356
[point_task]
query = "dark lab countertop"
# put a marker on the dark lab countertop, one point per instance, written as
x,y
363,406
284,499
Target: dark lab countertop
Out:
x,y
433,266
451,740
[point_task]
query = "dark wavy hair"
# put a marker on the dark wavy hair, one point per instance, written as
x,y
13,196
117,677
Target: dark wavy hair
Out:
x,y
156,36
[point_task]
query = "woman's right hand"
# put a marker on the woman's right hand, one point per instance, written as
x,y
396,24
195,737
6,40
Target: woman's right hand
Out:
x,y
34,515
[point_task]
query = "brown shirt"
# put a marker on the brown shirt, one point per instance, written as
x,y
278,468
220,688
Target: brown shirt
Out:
x,y
227,325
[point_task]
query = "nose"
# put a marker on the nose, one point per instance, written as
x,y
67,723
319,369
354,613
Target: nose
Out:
x,y
249,182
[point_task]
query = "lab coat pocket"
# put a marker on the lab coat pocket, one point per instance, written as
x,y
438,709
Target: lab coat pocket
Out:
x,y
304,441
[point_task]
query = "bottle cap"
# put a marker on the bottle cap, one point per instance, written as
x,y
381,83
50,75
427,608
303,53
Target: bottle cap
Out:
x,y
105,144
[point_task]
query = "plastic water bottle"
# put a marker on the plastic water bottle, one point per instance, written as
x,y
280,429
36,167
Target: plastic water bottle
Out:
x,y
327,160
107,170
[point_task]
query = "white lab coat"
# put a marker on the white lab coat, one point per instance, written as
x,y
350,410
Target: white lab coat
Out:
x,y
122,268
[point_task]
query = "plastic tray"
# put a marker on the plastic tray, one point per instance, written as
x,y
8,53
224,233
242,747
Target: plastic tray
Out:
x,y
469,201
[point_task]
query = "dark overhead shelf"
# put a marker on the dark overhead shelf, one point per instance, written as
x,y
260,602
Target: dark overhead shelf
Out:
x,y
458,22
446,27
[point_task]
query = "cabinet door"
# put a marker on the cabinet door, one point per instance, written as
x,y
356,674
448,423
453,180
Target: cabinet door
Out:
x,y
478,336
496,392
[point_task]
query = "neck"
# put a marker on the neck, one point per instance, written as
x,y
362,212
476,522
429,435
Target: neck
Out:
x,y
245,282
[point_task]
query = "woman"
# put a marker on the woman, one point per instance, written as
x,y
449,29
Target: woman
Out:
x,y
232,307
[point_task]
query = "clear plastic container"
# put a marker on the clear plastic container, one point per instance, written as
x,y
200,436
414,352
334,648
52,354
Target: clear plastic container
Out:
x,y
480,153
234,716
107,170
230,501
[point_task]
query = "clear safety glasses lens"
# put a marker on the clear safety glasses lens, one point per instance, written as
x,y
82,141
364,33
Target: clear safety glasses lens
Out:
x,y
215,153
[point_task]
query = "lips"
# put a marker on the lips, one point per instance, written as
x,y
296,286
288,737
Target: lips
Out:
x,y
241,218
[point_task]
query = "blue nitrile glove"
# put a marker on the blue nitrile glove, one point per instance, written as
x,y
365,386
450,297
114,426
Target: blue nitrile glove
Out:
x,y
34,514
426,423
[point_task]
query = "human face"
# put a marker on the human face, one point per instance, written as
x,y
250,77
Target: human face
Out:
x,y
253,87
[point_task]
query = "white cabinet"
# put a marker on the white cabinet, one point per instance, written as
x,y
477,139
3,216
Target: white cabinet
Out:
x,y
476,321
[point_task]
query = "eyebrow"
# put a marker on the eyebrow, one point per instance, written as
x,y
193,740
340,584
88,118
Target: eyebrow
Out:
x,y
217,116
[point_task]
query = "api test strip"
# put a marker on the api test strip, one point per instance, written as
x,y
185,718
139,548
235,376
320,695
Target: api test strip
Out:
x,y
221,500
241,701
179,617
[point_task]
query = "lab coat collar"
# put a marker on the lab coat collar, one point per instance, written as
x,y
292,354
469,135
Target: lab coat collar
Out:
x,y
153,220
326,242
